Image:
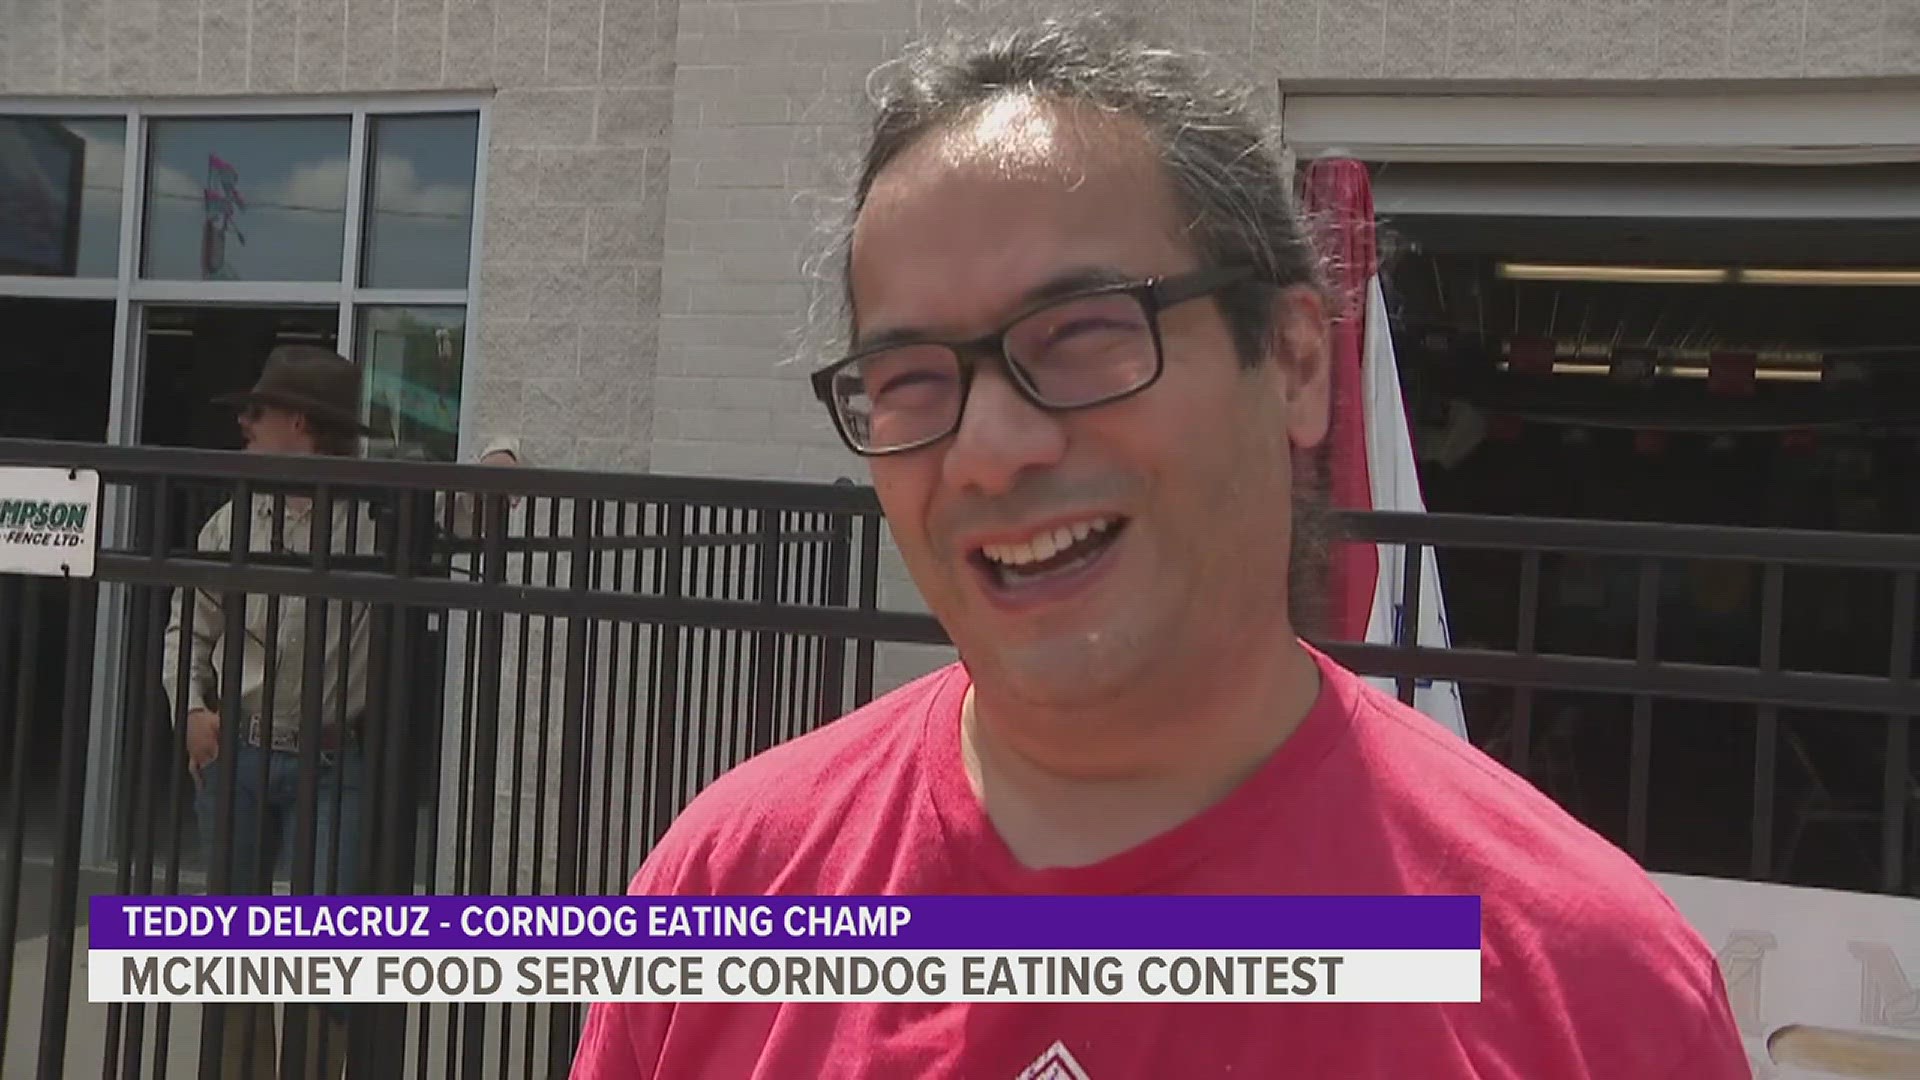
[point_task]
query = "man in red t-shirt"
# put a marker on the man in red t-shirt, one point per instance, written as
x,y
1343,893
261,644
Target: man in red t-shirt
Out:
x,y
1089,358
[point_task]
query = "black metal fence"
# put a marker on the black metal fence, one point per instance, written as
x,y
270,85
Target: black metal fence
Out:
x,y
535,670
1730,702
489,681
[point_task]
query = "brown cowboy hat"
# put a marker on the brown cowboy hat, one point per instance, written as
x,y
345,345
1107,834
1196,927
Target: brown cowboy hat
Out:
x,y
308,379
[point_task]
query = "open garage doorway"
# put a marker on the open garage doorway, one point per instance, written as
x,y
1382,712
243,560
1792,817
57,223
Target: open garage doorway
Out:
x,y
1732,346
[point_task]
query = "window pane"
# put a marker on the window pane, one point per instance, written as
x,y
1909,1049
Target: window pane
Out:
x,y
60,195
247,200
195,353
420,205
59,368
412,357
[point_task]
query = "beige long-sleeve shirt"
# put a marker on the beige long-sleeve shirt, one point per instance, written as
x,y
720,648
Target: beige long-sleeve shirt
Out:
x,y
274,656
273,659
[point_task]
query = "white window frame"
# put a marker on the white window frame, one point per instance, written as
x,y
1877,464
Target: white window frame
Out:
x,y
1777,122
130,294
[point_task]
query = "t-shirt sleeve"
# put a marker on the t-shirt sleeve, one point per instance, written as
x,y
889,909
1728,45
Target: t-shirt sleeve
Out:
x,y
621,1040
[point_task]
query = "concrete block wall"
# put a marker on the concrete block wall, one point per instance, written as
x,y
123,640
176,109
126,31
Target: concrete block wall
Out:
x,y
1587,39
767,110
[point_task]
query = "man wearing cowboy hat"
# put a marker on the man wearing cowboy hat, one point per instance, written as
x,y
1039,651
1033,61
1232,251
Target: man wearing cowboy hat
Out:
x,y
307,401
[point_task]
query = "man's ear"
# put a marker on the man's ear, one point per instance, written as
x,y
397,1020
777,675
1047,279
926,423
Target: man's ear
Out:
x,y
1301,346
304,424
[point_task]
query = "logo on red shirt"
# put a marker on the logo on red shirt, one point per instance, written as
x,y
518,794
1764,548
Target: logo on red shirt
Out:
x,y
1056,1064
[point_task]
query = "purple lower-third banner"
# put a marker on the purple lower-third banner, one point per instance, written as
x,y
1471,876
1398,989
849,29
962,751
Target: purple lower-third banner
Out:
x,y
238,923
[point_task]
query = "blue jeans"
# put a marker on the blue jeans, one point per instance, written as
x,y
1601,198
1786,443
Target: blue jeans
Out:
x,y
271,811
265,809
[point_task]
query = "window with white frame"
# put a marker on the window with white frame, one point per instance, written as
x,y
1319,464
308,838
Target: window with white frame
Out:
x,y
150,255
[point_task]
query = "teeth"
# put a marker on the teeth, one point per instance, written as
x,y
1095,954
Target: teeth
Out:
x,y
1045,545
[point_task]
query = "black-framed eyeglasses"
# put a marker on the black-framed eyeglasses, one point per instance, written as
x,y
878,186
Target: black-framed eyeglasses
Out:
x,y
1075,352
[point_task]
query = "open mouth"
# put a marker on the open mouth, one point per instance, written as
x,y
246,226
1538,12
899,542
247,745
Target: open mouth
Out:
x,y
1056,553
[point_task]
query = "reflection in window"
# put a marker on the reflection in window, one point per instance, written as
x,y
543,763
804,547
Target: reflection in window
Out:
x,y
412,358
197,352
420,210
60,195
246,200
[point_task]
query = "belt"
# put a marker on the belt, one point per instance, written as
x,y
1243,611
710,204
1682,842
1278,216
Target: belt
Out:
x,y
333,738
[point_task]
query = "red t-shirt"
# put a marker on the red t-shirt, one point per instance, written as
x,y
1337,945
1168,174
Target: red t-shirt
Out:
x,y
1588,970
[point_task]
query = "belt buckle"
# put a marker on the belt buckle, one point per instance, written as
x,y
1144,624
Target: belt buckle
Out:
x,y
332,741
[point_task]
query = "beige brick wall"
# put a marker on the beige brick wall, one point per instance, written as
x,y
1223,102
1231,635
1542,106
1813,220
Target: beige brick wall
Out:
x,y
577,166
1588,39
766,105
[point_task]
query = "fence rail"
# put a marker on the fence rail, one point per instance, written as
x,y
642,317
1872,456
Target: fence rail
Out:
x,y
554,662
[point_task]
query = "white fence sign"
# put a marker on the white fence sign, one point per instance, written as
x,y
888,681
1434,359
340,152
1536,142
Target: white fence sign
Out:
x,y
1825,985
49,521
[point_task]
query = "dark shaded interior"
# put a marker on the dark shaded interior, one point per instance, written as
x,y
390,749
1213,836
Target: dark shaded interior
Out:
x,y
1822,439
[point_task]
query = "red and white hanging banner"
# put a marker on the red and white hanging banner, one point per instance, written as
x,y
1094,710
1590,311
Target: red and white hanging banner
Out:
x,y
1372,446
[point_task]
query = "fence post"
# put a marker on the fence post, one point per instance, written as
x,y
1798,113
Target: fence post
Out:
x,y
1639,763
563,1031
147,624
869,602
1766,740
399,666
219,856
1525,637
772,562
486,755
839,569
19,614
1406,630
1897,780
83,604
664,770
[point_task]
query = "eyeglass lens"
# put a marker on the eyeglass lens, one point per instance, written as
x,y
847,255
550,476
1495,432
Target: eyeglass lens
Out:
x,y
1075,353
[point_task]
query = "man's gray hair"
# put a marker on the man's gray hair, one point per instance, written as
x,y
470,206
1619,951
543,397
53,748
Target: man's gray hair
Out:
x,y
1230,188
